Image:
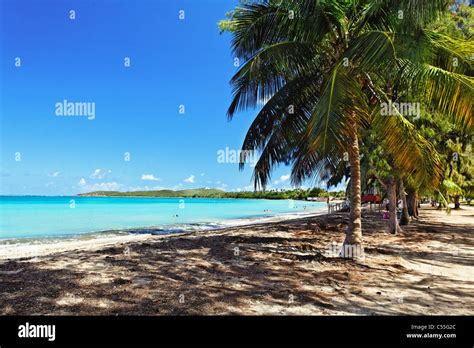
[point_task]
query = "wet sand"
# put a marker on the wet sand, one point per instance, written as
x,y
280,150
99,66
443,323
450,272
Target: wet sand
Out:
x,y
274,268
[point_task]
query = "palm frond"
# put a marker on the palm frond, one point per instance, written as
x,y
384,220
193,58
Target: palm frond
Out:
x,y
342,95
407,148
453,55
260,24
399,15
266,72
445,91
372,51
293,101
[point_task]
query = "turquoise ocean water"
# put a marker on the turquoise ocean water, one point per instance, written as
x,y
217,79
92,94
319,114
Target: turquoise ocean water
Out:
x,y
51,217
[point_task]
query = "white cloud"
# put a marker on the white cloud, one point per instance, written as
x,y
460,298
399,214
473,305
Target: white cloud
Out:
x,y
243,189
222,187
104,186
145,188
99,186
282,179
190,179
54,174
99,174
150,177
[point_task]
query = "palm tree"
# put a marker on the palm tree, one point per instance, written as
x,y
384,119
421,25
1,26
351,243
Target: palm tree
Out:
x,y
405,217
320,71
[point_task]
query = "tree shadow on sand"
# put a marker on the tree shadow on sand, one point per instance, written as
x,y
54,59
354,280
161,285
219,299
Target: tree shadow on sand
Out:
x,y
269,269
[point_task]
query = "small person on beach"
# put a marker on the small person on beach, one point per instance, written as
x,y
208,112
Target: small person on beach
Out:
x,y
400,210
386,203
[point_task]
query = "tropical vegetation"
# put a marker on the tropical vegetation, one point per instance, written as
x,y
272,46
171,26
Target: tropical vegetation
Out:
x,y
302,194
322,75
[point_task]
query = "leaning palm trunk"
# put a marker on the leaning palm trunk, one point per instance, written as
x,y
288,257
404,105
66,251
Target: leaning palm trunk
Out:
x,y
405,218
352,246
412,202
393,226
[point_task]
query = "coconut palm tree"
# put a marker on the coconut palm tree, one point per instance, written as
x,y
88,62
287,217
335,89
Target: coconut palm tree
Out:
x,y
321,71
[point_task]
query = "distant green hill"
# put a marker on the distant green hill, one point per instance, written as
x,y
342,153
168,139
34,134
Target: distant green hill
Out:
x,y
199,192
215,193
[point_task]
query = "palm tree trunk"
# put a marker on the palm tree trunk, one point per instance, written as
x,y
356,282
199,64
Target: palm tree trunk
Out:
x,y
415,203
411,202
457,203
405,219
352,246
393,226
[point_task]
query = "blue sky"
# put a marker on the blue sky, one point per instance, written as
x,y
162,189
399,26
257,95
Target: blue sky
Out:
x,y
173,62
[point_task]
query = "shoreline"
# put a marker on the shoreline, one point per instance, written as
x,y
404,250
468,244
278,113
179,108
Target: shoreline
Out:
x,y
24,248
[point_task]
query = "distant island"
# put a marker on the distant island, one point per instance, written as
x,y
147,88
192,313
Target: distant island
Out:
x,y
300,194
